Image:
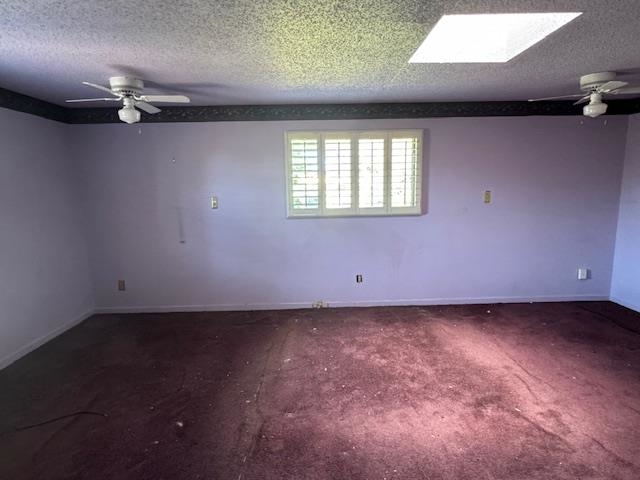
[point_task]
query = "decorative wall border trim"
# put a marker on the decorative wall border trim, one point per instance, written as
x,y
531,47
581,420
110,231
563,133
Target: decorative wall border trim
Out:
x,y
246,113
23,103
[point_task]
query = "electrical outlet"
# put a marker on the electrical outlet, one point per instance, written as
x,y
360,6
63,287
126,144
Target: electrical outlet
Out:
x,y
214,202
121,285
583,273
319,304
487,196
358,278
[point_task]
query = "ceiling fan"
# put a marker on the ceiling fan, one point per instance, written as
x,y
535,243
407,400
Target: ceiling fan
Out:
x,y
593,87
129,90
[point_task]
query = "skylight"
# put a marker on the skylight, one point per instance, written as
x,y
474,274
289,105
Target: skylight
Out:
x,y
487,38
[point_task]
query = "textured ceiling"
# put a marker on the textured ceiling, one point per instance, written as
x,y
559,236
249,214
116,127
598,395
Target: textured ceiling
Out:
x,y
307,51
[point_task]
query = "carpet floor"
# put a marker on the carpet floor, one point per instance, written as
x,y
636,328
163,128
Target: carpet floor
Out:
x,y
519,391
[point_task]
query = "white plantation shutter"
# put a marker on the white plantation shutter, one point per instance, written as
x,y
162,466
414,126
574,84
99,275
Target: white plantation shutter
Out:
x,y
354,173
371,153
404,172
304,174
337,173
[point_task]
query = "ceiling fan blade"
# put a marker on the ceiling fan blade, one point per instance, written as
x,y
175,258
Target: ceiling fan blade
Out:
x,y
611,86
626,91
584,99
165,98
110,99
146,107
556,98
99,87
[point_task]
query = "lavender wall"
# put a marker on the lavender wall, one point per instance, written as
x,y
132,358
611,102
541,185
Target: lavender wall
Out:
x,y
555,182
44,274
625,284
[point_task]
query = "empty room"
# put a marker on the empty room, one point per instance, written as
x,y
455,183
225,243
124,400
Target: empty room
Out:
x,y
320,239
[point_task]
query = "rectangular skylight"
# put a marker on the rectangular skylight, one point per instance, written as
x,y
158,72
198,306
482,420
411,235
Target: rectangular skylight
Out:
x,y
487,38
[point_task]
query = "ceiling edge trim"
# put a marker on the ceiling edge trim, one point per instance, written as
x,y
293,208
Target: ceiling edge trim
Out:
x,y
244,113
23,103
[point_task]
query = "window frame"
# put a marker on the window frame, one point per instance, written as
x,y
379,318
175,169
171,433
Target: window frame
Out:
x,y
354,211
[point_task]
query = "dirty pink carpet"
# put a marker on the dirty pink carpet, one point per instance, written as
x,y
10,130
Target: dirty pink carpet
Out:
x,y
526,391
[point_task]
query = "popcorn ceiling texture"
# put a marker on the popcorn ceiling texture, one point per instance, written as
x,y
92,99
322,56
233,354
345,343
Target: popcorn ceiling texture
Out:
x,y
288,51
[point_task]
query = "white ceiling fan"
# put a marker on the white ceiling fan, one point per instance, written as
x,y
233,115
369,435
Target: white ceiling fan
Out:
x,y
593,87
129,90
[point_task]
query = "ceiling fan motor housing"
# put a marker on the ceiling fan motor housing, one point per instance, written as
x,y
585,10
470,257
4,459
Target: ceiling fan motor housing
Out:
x,y
594,80
126,85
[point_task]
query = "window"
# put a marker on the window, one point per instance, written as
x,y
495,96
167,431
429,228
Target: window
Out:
x,y
354,173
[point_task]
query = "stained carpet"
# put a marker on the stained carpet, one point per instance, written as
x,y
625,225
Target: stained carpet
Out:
x,y
520,391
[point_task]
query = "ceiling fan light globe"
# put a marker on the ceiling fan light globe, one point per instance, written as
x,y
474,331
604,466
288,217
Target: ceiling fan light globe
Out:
x,y
128,114
594,110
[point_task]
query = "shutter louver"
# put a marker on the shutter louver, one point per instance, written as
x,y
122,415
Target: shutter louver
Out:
x,y
371,172
404,171
304,174
337,173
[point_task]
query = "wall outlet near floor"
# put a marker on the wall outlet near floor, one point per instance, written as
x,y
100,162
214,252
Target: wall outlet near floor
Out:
x,y
319,304
121,286
359,278
487,196
584,273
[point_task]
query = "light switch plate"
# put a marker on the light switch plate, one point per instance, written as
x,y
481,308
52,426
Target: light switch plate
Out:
x,y
583,273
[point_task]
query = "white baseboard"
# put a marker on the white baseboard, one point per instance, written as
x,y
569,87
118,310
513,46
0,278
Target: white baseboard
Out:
x,y
469,301
221,307
348,303
628,305
31,346
12,357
